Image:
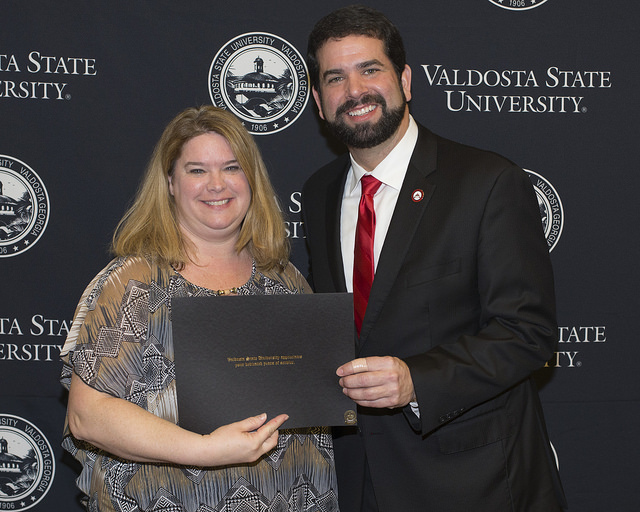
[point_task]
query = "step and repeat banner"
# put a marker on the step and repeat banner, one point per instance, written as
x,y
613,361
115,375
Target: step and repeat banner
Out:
x,y
86,88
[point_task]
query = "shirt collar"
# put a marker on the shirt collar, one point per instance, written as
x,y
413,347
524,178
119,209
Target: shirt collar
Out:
x,y
392,169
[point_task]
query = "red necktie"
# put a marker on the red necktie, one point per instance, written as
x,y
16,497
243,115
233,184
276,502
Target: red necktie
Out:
x,y
363,266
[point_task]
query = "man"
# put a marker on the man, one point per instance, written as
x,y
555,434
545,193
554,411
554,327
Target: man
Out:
x,y
461,310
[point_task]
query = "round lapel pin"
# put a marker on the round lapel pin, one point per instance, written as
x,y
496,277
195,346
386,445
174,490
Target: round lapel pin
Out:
x,y
417,195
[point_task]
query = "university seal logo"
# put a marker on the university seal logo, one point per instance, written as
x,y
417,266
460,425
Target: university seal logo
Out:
x,y
551,210
262,79
24,207
518,5
27,464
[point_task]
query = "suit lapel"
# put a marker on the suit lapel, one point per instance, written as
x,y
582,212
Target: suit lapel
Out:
x,y
404,222
334,249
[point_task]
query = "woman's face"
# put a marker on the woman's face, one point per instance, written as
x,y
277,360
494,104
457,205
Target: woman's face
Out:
x,y
210,189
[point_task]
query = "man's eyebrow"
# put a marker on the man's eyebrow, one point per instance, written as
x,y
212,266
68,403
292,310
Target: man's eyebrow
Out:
x,y
330,72
360,65
369,63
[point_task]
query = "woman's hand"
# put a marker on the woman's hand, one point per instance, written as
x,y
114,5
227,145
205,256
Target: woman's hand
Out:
x,y
244,441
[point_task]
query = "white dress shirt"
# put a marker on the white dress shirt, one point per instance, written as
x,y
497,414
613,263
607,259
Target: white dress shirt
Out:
x,y
391,172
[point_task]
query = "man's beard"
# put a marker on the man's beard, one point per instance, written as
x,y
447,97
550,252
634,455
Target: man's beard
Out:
x,y
367,135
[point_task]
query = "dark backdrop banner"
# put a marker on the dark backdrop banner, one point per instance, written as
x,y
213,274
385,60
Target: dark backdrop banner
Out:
x,y
86,88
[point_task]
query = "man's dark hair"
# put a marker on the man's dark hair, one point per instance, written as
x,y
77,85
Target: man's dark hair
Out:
x,y
355,20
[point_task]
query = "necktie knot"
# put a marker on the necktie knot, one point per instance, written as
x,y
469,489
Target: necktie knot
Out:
x,y
369,184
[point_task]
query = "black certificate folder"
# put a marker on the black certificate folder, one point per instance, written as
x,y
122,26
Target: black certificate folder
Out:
x,y
240,356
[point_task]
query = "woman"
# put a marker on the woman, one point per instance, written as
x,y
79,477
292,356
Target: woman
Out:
x,y
204,222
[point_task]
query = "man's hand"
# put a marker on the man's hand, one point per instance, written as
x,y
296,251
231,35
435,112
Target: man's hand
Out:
x,y
381,382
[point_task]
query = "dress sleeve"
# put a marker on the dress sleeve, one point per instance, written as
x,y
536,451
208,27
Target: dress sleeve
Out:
x,y
295,280
110,324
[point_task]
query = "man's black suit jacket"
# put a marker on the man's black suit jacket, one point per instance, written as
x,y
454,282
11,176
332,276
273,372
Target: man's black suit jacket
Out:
x,y
464,294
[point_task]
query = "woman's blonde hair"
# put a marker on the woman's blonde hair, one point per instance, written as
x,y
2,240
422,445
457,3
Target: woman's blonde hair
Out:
x,y
150,227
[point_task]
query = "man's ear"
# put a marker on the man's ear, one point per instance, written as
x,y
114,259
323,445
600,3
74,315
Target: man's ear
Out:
x,y
405,81
316,97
